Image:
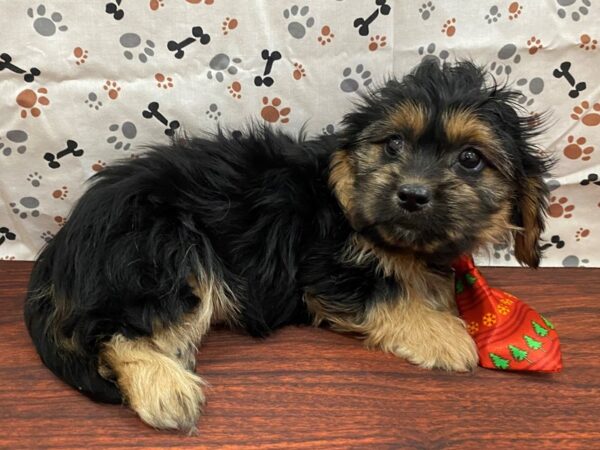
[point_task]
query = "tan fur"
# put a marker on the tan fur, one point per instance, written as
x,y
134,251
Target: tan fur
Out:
x,y
341,179
410,117
156,373
421,325
531,206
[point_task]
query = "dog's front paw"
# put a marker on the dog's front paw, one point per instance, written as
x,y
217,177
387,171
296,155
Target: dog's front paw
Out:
x,y
442,343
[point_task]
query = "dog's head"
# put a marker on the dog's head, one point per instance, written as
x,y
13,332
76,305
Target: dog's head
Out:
x,y
440,164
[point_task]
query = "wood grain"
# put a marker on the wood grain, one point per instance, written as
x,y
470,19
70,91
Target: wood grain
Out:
x,y
307,388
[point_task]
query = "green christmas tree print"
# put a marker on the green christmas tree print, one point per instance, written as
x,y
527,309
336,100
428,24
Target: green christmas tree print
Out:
x,y
518,353
499,361
540,330
532,343
459,286
471,280
548,323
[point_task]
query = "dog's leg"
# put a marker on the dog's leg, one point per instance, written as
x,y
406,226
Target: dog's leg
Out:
x,y
156,374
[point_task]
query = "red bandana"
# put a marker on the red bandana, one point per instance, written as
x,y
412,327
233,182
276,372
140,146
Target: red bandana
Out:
x,y
508,333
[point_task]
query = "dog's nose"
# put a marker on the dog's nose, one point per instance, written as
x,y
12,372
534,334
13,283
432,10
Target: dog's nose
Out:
x,y
413,197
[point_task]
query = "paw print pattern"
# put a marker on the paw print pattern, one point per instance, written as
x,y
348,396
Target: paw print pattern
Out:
x,y
60,194
35,179
221,63
299,71
429,53
97,167
299,21
503,251
28,99
46,26
235,90
577,8
122,135
163,81
92,101
587,115
352,82
80,55
213,112
329,129
131,42
112,89
560,207
273,112
577,149
376,42
228,25
534,45
582,233
514,10
426,9
493,15
587,43
47,236
449,27
16,137
529,88
27,206
506,55
574,261
326,35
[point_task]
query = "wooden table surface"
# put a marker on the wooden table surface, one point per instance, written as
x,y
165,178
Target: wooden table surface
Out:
x,y
307,388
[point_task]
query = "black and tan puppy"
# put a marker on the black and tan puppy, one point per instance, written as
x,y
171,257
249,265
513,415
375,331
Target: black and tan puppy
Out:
x,y
259,230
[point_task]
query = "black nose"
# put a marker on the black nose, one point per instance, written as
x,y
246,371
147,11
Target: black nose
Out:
x,y
413,197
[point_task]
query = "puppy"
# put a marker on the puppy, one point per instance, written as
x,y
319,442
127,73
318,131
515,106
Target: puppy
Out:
x,y
259,230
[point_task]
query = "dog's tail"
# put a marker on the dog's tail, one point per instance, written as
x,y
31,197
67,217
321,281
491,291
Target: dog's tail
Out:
x,y
44,317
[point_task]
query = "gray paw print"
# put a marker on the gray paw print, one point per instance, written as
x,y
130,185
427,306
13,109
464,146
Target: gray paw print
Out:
x,y
35,179
128,133
493,15
583,9
574,261
43,25
132,41
429,53
351,83
30,203
426,9
298,15
213,112
47,236
220,63
16,137
553,184
529,87
92,101
507,52
503,251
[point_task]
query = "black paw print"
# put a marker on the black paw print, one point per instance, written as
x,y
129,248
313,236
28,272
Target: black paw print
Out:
x,y
592,178
555,241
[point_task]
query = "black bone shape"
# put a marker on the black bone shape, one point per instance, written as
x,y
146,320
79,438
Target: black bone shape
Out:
x,y
565,71
270,58
152,111
70,149
6,63
197,33
115,10
5,234
363,24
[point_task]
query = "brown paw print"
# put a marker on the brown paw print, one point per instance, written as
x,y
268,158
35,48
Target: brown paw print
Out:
x,y
272,112
377,42
582,233
299,71
60,220
326,35
575,149
560,208
587,116
28,99
156,4
228,25
235,90
587,43
80,54
514,10
112,88
60,194
206,2
449,27
163,81
98,166
534,45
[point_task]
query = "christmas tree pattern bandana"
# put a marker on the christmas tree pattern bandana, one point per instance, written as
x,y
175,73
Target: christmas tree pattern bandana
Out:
x,y
509,334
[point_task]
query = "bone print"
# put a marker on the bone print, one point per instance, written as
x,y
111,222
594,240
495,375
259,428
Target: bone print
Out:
x,y
152,111
71,149
564,71
197,33
363,24
270,58
6,63
115,9
5,234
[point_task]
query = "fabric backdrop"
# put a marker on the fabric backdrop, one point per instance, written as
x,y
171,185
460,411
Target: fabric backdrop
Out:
x,y
85,83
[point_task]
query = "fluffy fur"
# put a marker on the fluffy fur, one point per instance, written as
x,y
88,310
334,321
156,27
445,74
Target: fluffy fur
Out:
x,y
259,230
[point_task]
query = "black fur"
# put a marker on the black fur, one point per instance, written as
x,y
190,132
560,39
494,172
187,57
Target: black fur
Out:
x,y
254,209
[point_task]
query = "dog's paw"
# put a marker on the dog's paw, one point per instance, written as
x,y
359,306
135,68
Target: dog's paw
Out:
x,y
443,343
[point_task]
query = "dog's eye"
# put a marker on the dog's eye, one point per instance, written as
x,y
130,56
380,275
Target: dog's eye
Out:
x,y
471,160
394,145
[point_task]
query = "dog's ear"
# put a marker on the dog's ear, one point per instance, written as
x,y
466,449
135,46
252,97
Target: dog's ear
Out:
x,y
530,213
